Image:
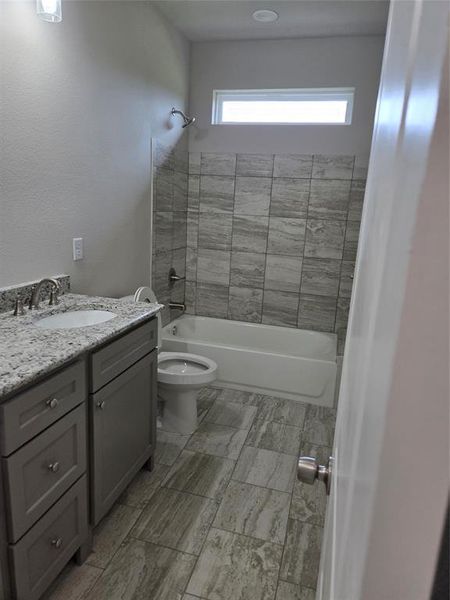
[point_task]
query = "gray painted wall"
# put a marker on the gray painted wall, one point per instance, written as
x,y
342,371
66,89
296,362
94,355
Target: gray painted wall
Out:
x,y
80,102
315,62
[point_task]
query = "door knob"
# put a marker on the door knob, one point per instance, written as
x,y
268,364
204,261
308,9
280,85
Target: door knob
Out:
x,y
308,470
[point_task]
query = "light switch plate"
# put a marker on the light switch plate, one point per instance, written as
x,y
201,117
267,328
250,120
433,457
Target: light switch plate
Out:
x,y
77,248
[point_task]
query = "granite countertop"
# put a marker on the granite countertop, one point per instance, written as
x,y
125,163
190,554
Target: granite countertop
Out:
x,y
28,352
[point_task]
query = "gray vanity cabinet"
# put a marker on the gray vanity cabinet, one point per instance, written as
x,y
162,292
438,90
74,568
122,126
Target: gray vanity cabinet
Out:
x,y
123,417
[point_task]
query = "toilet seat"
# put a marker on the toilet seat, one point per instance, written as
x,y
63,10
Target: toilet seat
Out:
x,y
185,368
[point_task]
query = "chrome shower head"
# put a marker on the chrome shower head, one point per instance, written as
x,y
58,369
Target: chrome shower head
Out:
x,y
186,120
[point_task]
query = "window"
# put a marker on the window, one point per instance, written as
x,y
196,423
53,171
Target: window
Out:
x,y
303,106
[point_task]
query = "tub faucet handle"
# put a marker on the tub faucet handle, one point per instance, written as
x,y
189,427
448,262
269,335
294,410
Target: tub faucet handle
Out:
x,y
173,277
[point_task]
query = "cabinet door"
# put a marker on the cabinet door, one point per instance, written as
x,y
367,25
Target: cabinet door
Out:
x,y
124,425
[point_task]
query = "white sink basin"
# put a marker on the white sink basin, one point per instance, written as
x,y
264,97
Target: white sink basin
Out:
x,y
75,318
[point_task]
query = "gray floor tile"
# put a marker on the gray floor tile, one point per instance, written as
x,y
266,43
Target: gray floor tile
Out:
x,y
292,591
74,583
266,468
143,486
239,397
319,425
309,502
201,474
301,554
281,410
232,414
169,446
255,511
176,519
110,533
274,436
143,571
222,571
218,440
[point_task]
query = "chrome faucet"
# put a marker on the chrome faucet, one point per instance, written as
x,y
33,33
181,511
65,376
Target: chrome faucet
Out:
x,y
177,306
56,288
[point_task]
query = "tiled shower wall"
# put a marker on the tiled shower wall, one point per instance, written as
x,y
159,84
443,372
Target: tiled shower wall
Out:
x,y
170,204
273,238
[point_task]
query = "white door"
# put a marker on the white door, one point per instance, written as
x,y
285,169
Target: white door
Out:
x,y
390,480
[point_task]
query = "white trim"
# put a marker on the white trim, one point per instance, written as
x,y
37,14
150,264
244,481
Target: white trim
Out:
x,y
282,95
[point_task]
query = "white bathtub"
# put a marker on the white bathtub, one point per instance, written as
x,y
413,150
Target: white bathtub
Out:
x,y
279,361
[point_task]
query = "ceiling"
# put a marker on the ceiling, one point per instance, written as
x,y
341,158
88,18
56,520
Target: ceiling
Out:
x,y
210,20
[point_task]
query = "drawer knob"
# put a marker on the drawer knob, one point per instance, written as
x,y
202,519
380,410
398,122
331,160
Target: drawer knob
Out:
x,y
101,405
57,542
53,403
53,467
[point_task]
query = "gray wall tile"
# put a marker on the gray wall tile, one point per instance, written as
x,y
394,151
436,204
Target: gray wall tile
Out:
x,y
324,239
180,191
179,230
213,163
255,165
329,199
163,231
252,196
346,282
216,193
193,192
212,300
351,240
283,272
191,263
245,304
289,197
163,189
320,276
329,166
355,206
286,236
293,165
316,312
194,163
247,269
192,229
250,233
215,231
213,266
361,166
190,291
280,308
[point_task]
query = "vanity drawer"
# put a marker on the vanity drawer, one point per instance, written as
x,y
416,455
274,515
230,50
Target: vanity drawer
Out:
x,y
114,359
40,472
29,413
44,551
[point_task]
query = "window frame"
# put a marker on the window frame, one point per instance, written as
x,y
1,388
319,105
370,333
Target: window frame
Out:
x,y
306,94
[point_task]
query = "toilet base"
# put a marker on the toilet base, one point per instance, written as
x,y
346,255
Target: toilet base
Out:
x,y
179,413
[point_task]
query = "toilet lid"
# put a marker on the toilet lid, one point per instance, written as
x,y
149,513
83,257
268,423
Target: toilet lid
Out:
x,y
145,294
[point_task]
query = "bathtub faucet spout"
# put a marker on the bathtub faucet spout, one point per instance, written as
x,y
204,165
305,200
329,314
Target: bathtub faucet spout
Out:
x,y
177,306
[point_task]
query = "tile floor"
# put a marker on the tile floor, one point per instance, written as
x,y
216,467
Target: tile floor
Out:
x,y
221,517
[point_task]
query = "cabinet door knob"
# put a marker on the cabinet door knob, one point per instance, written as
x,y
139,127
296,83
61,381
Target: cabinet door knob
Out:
x,y
101,405
53,403
53,467
57,542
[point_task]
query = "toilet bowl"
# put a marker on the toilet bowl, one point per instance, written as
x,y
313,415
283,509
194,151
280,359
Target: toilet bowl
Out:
x,y
181,376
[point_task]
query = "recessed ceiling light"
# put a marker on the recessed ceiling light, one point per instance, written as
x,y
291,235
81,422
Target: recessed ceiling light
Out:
x,y
265,16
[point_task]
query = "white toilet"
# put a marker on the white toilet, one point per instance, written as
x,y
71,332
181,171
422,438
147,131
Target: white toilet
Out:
x,y
181,376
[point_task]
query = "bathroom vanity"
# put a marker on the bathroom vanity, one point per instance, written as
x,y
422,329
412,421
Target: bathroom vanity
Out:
x,y
77,422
